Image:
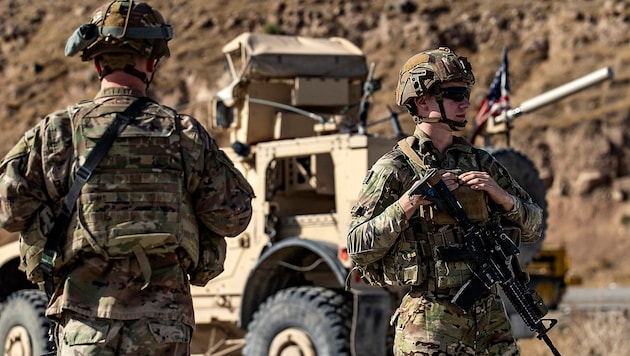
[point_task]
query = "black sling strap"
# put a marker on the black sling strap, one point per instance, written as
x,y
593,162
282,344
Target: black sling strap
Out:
x,y
58,230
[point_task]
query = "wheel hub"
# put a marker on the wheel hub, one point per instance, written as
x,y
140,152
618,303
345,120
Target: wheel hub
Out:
x,y
292,342
17,342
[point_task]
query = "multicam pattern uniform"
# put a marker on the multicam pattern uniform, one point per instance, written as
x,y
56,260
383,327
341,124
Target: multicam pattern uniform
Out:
x,y
162,177
380,237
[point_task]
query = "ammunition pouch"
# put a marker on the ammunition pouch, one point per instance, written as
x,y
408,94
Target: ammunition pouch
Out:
x,y
405,264
474,204
451,274
448,274
31,244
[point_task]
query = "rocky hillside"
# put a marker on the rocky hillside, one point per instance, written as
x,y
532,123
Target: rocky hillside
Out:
x,y
579,143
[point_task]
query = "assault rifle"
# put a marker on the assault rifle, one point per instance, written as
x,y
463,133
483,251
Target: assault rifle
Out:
x,y
488,251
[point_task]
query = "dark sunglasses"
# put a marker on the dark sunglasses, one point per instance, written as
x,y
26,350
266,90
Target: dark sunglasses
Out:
x,y
455,93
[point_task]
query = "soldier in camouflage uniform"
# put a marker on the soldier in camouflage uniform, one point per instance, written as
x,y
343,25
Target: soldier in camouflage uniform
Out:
x,y
122,284
393,236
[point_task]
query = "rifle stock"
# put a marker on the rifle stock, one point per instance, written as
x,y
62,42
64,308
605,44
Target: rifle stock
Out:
x,y
488,251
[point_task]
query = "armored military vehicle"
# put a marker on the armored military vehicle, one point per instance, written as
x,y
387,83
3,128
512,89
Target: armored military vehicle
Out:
x,y
290,115
293,119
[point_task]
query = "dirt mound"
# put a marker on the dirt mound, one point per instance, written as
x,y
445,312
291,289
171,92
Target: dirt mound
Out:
x,y
578,143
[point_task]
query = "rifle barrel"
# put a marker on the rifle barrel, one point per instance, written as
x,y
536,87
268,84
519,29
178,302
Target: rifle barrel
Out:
x,y
550,344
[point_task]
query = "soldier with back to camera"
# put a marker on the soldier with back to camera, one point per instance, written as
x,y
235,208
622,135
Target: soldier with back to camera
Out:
x,y
122,271
394,235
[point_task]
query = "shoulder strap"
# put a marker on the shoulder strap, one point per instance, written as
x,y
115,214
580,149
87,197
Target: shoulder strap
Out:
x,y
54,236
405,147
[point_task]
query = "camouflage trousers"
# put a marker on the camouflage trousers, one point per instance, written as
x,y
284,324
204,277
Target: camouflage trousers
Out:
x,y
78,335
432,326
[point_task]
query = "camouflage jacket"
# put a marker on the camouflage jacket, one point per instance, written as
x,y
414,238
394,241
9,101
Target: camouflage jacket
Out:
x,y
37,173
378,220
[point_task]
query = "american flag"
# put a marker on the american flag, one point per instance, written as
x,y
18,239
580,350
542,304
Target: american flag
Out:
x,y
496,101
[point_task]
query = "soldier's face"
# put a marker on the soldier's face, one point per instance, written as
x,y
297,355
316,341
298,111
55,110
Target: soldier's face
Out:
x,y
455,98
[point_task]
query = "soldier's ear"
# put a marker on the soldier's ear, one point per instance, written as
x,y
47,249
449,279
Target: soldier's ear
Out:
x,y
151,64
97,66
421,103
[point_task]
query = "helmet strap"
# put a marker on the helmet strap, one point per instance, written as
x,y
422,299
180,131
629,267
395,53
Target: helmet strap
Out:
x,y
125,62
133,71
149,80
127,69
454,125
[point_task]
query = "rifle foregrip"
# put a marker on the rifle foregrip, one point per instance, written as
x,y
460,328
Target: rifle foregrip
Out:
x,y
528,304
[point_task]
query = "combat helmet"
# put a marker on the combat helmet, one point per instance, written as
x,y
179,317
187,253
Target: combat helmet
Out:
x,y
122,28
422,74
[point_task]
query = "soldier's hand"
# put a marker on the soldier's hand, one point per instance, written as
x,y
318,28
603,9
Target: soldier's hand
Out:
x,y
450,179
483,181
411,202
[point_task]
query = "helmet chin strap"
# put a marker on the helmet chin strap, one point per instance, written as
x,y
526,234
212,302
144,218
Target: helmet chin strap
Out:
x,y
150,79
454,125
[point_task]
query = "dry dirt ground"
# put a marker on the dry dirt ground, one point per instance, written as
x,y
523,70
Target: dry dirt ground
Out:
x,y
579,144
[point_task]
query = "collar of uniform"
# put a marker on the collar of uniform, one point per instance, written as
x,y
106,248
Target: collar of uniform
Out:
x,y
118,91
428,153
462,144
424,142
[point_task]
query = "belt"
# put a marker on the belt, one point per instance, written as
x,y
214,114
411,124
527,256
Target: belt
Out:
x,y
445,292
442,293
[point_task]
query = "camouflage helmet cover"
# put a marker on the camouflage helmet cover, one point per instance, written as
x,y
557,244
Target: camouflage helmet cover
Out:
x,y
420,73
122,26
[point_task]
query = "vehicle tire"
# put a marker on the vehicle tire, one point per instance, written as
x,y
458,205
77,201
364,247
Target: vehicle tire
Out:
x,y
527,175
306,321
23,324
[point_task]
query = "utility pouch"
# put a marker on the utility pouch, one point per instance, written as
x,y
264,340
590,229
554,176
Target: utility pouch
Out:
x,y
451,274
31,244
474,204
212,254
404,264
371,274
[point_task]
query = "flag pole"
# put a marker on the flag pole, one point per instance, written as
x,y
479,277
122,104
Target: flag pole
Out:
x,y
496,101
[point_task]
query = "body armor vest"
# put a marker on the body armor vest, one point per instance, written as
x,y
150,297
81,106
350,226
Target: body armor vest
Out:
x,y
136,200
430,229
413,259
